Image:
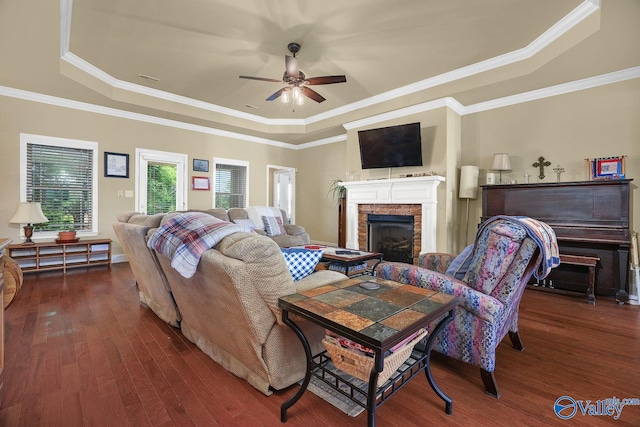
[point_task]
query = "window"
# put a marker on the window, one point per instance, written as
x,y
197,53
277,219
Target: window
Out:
x,y
231,183
160,181
61,174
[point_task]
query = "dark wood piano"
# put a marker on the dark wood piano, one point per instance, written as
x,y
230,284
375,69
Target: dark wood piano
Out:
x,y
590,218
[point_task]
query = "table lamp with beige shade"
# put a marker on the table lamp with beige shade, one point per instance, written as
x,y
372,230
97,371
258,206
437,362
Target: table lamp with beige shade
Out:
x,y
501,163
28,213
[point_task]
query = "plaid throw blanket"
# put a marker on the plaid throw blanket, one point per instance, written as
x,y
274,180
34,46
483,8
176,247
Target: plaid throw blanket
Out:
x,y
185,237
543,235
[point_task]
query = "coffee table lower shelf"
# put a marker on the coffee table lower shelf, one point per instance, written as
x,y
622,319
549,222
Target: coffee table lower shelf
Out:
x,y
418,361
415,364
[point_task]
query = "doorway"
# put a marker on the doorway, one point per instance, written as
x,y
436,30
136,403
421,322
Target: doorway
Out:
x,y
282,188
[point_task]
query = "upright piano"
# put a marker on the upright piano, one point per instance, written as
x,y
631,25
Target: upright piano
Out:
x,y
590,218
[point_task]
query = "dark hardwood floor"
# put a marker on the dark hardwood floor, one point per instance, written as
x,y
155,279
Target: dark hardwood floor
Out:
x,y
82,351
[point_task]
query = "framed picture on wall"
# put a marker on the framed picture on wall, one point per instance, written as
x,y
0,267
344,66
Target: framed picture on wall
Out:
x,y
116,165
200,183
200,165
606,168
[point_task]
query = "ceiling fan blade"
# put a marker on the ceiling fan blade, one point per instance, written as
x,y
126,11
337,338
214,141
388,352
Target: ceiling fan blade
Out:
x,y
291,64
261,79
310,93
326,80
276,95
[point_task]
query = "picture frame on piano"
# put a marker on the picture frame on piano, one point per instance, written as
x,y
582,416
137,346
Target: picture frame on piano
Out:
x,y
604,168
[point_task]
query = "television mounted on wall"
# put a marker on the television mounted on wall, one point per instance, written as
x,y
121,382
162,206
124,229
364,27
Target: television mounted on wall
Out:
x,y
391,147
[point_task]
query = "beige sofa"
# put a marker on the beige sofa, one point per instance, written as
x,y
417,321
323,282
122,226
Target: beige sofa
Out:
x,y
229,308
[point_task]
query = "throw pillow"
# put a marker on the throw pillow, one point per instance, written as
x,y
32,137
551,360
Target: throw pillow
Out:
x,y
245,222
460,264
273,225
301,262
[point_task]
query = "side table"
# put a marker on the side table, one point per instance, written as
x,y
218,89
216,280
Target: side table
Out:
x,y
375,318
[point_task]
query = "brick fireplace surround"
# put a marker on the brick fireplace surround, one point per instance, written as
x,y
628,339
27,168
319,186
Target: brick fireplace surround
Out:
x,y
415,196
391,209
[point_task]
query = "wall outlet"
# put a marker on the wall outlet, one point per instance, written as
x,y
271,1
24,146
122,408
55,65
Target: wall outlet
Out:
x,y
120,193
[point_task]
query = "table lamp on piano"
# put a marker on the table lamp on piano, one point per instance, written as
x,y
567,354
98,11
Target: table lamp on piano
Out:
x,y
501,163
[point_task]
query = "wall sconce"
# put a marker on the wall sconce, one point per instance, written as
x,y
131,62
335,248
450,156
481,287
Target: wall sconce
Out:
x,y
28,213
501,163
468,190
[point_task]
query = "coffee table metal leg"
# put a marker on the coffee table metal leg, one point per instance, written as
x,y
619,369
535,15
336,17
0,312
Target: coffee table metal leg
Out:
x,y
307,377
448,401
373,388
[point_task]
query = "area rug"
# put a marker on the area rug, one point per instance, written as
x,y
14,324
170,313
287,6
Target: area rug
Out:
x,y
327,393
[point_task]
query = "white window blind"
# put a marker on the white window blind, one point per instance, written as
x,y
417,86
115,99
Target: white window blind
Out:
x,y
61,179
230,186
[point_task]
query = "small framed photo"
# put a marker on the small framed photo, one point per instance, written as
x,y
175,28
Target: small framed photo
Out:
x,y
116,165
606,168
200,183
200,165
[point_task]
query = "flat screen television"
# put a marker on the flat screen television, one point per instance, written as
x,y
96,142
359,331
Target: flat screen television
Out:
x,y
391,147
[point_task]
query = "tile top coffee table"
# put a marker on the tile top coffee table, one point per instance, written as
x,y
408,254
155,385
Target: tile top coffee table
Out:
x,y
347,258
375,318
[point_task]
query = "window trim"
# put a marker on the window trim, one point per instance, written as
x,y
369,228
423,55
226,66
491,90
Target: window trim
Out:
x,y
232,162
26,138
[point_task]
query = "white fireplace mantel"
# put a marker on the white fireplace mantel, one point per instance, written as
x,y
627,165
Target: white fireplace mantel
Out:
x,y
416,190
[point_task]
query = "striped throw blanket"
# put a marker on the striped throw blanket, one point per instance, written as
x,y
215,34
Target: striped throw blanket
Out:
x,y
185,237
543,235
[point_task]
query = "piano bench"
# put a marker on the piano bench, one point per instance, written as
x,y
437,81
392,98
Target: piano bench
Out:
x,y
586,261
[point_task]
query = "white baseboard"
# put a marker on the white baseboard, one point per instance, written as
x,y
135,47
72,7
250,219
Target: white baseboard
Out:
x,y
115,259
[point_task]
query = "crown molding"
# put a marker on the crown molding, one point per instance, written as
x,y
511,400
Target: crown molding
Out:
x,y
573,18
114,112
561,89
452,103
407,111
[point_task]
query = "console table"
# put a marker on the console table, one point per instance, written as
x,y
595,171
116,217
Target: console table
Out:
x,y
61,256
375,318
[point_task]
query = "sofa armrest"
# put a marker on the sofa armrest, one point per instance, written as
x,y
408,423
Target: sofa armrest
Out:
x,y
436,261
481,305
294,230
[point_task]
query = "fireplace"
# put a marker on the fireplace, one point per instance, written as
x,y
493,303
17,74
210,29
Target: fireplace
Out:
x,y
391,235
416,197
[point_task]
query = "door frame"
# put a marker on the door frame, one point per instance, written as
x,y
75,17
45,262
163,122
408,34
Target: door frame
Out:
x,y
271,169
143,157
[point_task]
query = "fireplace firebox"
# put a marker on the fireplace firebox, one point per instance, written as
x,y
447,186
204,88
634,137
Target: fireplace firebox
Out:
x,y
391,235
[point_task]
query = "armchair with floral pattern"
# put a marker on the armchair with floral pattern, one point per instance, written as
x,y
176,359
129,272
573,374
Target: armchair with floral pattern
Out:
x,y
503,259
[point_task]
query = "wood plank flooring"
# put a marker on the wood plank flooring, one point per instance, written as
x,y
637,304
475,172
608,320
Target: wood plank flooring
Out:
x,y
82,351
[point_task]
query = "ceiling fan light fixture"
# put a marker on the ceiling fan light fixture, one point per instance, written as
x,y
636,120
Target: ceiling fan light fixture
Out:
x,y
286,96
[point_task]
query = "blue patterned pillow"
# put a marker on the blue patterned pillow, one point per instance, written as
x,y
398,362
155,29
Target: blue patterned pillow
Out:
x,y
460,264
301,262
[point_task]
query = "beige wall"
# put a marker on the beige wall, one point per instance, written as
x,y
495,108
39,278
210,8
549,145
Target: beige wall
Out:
x,y
122,136
565,129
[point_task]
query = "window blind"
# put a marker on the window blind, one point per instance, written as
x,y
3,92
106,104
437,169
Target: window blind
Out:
x,y
230,186
61,179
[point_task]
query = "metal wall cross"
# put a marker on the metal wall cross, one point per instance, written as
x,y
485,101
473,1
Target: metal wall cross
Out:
x,y
541,164
558,170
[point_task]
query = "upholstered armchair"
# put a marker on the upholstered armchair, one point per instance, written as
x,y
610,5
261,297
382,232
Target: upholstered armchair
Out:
x,y
493,276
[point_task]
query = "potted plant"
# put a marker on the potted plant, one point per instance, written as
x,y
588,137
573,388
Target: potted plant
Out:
x,y
337,190
67,232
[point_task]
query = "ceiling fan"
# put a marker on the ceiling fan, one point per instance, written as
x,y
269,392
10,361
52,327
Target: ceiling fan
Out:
x,y
296,82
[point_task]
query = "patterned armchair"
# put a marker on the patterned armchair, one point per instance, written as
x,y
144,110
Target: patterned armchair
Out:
x,y
503,259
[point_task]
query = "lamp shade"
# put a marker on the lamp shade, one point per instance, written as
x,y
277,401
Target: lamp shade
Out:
x,y
501,162
28,213
468,182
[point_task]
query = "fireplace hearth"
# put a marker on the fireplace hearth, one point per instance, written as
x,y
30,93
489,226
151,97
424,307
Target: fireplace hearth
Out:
x,y
391,235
